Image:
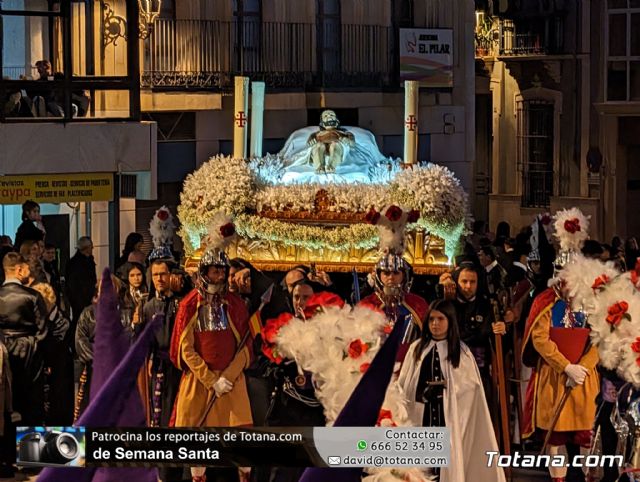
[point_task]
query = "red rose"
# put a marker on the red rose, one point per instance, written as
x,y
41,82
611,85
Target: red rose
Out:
x,y
385,415
364,367
227,230
545,219
413,216
635,346
163,215
387,329
271,353
394,213
572,225
357,348
271,328
372,216
600,281
635,277
616,312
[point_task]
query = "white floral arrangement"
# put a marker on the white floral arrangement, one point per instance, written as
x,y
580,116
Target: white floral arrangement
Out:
x,y
337,346
243,189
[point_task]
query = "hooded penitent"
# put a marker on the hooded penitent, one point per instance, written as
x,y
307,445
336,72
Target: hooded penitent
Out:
x,y
115,401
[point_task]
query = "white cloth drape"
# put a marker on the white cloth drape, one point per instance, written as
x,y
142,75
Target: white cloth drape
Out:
x,y
465,410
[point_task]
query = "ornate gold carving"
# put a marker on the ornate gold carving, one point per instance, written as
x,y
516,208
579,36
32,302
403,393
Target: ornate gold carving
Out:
x,y
426,259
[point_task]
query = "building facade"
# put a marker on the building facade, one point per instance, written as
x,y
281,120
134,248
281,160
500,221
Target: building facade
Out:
x,y
558,88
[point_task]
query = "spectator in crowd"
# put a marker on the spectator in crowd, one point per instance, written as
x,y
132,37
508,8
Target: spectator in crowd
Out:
x,y
16,103
23,323
592,249
5,247
43,96
51,268
133,243
631,253
30,250
58,360
31,227
81,278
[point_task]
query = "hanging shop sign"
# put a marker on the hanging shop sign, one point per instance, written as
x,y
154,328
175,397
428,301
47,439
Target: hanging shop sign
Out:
x,y
56,188
426,55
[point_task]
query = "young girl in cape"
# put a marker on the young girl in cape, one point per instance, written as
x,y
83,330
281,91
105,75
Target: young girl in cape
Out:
x,y
442,385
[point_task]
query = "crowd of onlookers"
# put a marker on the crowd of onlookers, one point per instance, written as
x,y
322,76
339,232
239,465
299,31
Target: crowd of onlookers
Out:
x,y
47,318
44,99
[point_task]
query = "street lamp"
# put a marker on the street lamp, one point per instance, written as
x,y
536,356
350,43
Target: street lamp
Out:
x,y
115,26
149,11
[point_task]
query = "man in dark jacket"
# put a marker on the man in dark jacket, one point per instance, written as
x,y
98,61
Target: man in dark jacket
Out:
x,y
23,324
81,279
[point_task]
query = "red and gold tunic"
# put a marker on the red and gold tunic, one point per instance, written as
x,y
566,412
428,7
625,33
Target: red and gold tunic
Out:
x,y
548,380
205,357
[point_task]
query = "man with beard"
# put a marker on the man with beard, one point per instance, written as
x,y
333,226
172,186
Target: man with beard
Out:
x,y
23,324
211,342
475,318
393,280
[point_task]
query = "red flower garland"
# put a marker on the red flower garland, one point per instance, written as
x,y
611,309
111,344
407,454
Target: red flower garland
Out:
x,y
394,213
617,312
227,230
600,281
572,225
357,348
385,415
372,216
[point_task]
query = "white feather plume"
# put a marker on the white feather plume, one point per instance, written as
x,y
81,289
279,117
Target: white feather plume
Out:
x,y
215,237
320,345
392,234
162,230
571,241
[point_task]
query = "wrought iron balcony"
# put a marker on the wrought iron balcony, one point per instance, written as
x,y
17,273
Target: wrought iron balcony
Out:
x,y
543,36
201,54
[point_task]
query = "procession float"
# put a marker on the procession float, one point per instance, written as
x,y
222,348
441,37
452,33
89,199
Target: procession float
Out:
x,y
317,202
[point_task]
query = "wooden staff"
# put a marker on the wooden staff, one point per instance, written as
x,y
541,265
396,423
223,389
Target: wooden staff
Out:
x,y
502,388
565,396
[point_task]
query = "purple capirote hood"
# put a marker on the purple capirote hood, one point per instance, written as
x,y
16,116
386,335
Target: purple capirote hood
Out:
x,y
115,401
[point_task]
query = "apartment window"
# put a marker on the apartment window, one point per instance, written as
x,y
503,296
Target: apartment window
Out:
x,y
622,44
247,15
405,14
329,32
535,151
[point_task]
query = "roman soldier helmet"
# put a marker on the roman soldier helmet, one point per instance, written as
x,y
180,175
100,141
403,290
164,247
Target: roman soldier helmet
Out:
x,y
391,223
221,234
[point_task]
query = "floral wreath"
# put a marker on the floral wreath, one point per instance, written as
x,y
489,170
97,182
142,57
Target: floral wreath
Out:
x,y
243,189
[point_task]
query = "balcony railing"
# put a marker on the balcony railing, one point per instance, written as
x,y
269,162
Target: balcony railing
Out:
x,y
202,54
543,37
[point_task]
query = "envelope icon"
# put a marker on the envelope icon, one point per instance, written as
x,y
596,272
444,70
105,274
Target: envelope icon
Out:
x,y
334,460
